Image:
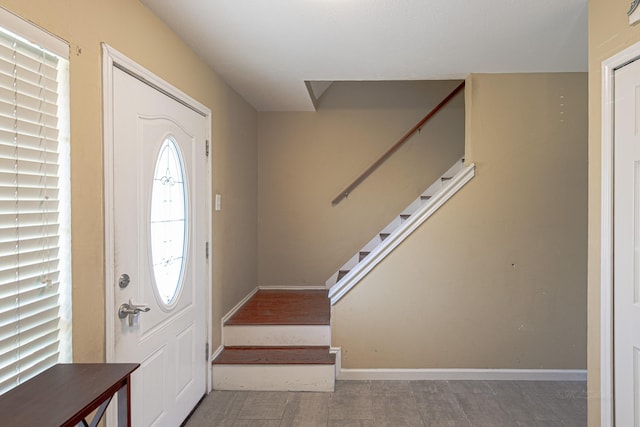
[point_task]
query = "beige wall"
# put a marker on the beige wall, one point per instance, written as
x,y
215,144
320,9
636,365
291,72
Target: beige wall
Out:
x,y
131,28
497,277
306,159
609,33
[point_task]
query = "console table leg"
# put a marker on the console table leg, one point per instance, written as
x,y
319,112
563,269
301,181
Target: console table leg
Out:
x,y
124,404
99,414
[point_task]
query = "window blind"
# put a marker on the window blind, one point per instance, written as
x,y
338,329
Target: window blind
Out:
x,y
31,228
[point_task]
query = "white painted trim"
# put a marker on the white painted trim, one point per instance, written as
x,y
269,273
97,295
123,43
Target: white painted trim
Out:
x,y
634,17
228,316
34,33
109,239
129,66
216,353
111,58
463,374
606,231
390,243
209,258
338,352
606,252
237,307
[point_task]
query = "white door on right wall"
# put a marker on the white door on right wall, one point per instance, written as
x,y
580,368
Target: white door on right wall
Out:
x,y
627,246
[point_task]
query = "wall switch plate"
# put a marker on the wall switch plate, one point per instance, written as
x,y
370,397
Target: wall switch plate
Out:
x,y
218,197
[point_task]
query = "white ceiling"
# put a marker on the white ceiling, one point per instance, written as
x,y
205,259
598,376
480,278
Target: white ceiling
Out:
x,y
266,49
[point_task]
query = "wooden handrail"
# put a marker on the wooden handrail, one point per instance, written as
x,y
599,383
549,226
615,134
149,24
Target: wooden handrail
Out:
x,y
375,165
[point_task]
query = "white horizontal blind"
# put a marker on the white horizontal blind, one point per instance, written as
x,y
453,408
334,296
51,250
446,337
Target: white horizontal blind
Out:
x,y
31,223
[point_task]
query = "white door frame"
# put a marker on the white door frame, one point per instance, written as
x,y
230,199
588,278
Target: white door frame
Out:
x,y
609,66
111,58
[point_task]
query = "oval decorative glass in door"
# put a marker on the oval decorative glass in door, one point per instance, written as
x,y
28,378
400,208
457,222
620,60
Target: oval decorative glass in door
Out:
x,y
168,222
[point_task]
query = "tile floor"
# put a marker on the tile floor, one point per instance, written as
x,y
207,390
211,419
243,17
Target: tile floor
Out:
x,y
403,403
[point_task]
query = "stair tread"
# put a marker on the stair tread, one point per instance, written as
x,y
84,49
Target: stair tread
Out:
x,y
271,307
275,356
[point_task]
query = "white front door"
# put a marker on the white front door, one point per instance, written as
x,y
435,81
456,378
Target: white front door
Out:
x,y
626,274
159,222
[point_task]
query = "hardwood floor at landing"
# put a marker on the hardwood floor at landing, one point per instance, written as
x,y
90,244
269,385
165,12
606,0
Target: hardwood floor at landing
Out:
x,y
269,307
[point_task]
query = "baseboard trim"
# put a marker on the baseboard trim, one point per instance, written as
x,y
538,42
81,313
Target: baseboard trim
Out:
x,y
216,353
463,374
338,352
230,314
292,288
238,305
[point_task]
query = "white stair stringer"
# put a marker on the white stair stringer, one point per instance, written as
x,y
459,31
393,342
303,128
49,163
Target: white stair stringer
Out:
x,y
419,210
414,206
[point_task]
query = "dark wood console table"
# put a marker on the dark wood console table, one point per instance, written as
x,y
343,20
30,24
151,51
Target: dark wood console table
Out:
x,y
65,394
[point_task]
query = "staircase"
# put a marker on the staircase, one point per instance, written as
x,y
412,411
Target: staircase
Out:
x,y
278,341
397,230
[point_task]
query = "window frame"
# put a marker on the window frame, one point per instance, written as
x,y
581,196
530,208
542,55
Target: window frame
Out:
x,y
28,34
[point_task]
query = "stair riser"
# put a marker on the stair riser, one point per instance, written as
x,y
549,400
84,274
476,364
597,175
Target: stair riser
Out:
x,y
319,378
277,335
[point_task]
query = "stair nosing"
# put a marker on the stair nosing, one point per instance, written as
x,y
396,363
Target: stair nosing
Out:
x,y
322,356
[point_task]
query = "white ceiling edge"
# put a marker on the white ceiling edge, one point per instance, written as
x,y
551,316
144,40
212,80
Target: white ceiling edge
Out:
x,y
267,51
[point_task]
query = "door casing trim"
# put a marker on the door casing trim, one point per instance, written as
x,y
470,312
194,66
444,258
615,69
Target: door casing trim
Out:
x,y
609,66
112,58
